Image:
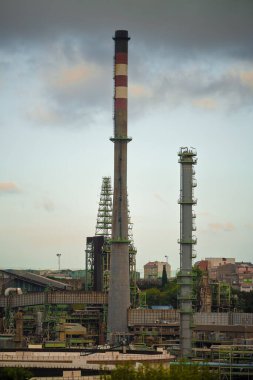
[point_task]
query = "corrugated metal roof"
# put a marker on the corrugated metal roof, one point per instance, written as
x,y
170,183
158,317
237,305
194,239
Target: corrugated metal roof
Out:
x,y
40,280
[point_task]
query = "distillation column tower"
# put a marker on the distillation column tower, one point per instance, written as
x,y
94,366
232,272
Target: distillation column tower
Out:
x,y
187,158
119,290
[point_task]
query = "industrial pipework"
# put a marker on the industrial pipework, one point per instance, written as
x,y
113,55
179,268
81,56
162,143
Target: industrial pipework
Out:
x,y
187,158
119,288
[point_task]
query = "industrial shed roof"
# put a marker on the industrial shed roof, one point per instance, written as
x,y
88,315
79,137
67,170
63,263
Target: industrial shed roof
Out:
x,y
37,279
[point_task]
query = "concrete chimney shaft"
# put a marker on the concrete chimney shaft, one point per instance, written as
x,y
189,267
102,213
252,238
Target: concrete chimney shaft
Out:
x,y
119,291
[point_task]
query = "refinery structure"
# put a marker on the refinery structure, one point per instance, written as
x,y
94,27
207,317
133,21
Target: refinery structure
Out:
x,y
187,240
104,306
98,247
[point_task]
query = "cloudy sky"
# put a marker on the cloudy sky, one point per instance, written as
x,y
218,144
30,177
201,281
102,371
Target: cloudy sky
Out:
x,y
190,84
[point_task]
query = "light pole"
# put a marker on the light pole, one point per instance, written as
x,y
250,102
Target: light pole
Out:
x,y
59,261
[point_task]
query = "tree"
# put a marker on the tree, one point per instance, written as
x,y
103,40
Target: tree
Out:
x,y
15,374
242,301
197,274
153,296
165,296
164,277
171,293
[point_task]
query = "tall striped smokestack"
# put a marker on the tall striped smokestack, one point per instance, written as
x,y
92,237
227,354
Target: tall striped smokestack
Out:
x,y
119,291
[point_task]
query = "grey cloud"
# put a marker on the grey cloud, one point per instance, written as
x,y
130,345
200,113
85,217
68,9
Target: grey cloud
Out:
x,y
167,37
198,87
75,91
186,26
73,86
76,103
60,115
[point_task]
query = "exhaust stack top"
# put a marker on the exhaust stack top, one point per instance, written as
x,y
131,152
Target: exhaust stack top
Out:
x,y
121,83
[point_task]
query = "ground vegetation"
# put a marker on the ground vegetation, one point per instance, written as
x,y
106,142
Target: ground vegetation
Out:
x,y
182,371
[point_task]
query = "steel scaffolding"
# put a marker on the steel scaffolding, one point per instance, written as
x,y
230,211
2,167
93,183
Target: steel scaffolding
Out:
x,y
104,228
221,296
104,216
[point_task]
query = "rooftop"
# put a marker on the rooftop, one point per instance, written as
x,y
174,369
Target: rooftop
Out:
x,y
37,279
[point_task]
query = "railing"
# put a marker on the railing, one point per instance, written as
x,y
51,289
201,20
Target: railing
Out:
x,y
193,240
192,201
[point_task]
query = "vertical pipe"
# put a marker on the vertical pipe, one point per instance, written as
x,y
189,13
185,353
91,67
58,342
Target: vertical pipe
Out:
x,y
187,182
119,290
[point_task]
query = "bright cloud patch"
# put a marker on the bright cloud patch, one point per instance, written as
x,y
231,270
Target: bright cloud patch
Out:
x,y
74,76
217,227
139,91
247,78
205,103
8,188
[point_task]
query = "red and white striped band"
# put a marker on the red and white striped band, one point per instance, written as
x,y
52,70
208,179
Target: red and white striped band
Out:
x,y
120,81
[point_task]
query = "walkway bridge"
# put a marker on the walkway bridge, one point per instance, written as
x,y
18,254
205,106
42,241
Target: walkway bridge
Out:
x,y
53,298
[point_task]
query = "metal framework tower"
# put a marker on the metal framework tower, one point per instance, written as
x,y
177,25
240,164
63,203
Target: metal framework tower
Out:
x,y
119,291
106,258
187,158
104,229
132,264
104,216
